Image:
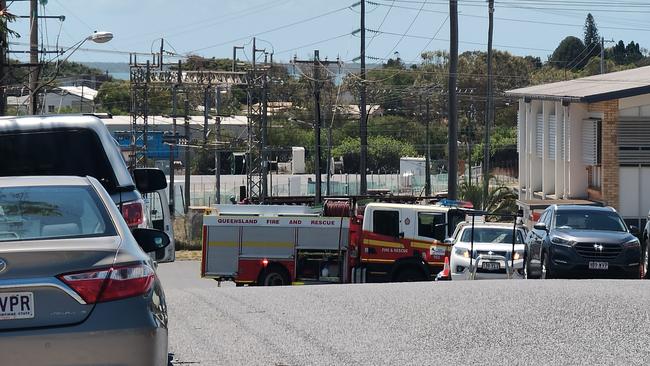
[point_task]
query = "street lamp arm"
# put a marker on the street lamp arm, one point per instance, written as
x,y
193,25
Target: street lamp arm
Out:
x,y
97,37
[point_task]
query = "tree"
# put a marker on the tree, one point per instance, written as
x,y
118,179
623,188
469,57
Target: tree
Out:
x,y
114,97
569,54
592,39
383,153
5,18
633,53
501,199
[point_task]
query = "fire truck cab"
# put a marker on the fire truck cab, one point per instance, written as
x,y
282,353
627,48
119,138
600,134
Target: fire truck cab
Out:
x,y
401,242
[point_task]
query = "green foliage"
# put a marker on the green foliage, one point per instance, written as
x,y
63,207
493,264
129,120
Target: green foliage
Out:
x,y
622,54
549,74
501,137
69,69
5,18
195,62
501,199
383,153
569,54
114,97
592,38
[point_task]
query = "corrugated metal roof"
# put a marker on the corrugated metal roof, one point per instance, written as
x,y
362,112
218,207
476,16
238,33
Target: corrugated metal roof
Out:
x,y
615,85
80,91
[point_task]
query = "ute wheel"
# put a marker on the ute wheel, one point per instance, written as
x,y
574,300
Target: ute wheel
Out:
x,y
274,276
546,268
409,274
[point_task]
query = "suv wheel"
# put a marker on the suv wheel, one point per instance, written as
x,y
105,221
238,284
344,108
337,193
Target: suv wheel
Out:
x,y
546,268
527,274
644,262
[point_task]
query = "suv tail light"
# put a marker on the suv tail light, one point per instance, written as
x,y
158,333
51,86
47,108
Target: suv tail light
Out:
x,y
111,283
133,213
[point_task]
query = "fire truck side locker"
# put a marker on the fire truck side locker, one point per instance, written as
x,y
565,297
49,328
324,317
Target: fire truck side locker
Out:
x,y
221,247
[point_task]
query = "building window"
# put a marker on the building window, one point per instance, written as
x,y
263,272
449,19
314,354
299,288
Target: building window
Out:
x,y
50,109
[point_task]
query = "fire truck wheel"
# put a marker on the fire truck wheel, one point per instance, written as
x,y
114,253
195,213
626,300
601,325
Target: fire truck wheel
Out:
x,y
409,274
274,276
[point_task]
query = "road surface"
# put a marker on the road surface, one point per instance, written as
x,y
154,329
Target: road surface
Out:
x,y
431,323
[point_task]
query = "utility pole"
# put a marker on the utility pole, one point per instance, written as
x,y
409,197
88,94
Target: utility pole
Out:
x,y
234,57
160,57
145,110
206,116
4,65
265,132
187,155
452,171
602,55
217,150
427,168
317,64
329,161
490,106
174,146
33,56
317,124
363,127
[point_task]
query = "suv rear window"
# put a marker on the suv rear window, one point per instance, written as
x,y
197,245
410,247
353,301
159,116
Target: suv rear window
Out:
x,y
28,213
57,152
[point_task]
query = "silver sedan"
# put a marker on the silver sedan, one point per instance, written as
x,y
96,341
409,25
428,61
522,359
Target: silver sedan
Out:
x,y
76,286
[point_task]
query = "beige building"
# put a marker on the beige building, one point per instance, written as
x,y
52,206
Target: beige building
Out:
x,y
587,138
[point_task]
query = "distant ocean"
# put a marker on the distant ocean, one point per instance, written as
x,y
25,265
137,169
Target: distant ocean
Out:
x,y
119,75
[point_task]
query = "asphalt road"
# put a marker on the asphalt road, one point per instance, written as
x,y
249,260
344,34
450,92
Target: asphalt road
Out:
x,y
432,323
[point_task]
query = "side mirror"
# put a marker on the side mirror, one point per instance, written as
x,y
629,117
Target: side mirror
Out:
x,y
149,180
634,230
151,240
449,241
540,226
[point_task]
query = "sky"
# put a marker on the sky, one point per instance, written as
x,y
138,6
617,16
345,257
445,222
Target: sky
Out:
x,y
291,28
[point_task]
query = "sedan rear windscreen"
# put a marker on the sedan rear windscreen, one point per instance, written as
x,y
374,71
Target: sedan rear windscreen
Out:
x,y
29,213
75,152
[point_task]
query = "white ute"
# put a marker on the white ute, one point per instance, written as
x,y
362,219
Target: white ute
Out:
x,y
492,251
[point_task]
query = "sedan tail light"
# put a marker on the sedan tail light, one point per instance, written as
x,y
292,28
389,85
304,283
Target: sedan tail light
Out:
x,y
111,283
133,213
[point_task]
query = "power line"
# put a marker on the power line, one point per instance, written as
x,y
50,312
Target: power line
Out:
x,y
407,29
270,30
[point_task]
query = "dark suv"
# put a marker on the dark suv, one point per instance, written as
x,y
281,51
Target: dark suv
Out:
x,y
581,241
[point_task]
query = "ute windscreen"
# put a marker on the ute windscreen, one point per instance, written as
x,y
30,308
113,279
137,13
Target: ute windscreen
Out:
x,y
55,152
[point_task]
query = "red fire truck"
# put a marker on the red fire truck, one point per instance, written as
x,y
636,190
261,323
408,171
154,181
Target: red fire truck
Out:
x,y
279,245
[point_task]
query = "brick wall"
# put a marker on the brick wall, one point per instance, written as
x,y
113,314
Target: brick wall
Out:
x,y
609,152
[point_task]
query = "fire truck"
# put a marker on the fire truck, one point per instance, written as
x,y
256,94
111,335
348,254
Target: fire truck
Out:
x,y
270,245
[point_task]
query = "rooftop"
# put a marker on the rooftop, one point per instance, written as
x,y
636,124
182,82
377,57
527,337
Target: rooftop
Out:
x,y
591,89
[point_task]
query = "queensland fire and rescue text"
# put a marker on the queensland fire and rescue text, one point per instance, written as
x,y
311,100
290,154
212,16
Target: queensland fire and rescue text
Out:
x,y
261,245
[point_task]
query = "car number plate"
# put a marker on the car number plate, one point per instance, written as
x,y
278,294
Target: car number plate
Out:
x,y
598,265
491,266
16,305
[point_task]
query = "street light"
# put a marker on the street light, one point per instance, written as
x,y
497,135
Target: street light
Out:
x,y
97,37
100,37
